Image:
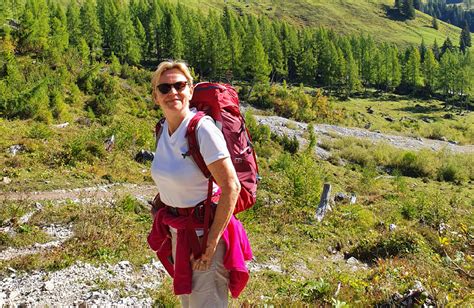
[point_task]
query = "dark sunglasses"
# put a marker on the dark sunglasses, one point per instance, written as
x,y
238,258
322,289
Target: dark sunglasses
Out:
x,y
165,88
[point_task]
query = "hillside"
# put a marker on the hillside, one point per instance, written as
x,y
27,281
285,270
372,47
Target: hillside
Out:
x,y
372,17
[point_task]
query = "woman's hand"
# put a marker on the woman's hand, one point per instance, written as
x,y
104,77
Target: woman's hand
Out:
x,y
204,263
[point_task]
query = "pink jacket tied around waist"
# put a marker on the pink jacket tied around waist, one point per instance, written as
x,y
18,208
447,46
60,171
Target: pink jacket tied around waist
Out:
x,y
237,250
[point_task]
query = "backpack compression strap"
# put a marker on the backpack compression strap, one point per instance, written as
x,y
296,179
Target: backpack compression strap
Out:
x,y
195,153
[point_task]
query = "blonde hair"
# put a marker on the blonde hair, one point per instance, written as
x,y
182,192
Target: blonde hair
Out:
x,y
169,65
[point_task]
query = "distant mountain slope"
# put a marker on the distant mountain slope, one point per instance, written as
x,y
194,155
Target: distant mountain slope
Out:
x,y
374,17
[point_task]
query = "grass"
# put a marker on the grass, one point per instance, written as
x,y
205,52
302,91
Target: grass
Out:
x,y
346,17
410,116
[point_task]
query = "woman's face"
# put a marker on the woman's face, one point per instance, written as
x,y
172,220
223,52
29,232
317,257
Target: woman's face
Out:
x,y
176,100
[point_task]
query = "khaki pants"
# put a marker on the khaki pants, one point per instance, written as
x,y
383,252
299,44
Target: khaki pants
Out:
x,y
210,288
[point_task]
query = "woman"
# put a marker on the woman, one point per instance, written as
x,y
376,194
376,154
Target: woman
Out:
x,y
203,281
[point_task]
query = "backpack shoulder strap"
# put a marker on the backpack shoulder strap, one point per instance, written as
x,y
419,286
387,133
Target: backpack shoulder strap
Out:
x,y
194,151
158,130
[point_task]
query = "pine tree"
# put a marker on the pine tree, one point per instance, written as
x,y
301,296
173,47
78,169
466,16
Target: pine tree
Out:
x,y
218,50
447,72
125,43
73,23
465,39
396,76
422,49
231,24
107,15
434,23
436,50
140,35
254,60
412,69
59,33
34,26
447,45
276,59
409,9
171,37
91,30
430,70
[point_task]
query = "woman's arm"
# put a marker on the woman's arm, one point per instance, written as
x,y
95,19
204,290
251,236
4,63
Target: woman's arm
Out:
x,y
225,176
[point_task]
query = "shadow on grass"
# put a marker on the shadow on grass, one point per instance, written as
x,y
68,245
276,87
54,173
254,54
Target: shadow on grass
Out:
x,y
421,109
393,13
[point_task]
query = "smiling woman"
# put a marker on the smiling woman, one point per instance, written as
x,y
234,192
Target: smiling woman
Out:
x,y
203,270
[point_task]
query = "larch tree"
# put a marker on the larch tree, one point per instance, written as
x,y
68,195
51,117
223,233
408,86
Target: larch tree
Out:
x,y
91,31
430,70
73,23
465,38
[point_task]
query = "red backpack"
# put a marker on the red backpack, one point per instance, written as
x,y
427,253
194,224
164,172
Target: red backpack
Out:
x,y
221,102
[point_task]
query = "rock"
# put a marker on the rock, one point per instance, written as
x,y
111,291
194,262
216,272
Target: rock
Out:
x,y
109,143
14,149
144,156
370,110
389,119
124,264
392,227
6,180
353,199
448,116
443,138
62,125
453,142
368,125
352,261
13,294
427,120
48,286
340,197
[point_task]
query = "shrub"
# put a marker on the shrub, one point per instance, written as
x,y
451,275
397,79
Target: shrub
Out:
x,y
313,290
290,145
396,243
39,131
102,106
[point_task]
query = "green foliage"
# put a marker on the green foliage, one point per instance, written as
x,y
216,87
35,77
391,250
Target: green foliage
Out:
x,y
395,243
315,289
39,131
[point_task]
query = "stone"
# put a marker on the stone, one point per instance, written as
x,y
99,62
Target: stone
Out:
x,y
14,149
144,156
48,286
392,227
6,180
352,261
62,125
13,294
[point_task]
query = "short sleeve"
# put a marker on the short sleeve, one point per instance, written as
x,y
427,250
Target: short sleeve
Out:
x,y
211,141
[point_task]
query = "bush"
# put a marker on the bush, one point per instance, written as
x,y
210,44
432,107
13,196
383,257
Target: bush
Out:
x,y
39,131
82,149
313,290
396,243
102,106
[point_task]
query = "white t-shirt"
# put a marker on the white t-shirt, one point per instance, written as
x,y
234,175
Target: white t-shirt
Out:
x,y
179,180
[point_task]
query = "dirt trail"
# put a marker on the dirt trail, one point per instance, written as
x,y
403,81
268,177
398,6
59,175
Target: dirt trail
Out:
x,y
284,126
85,194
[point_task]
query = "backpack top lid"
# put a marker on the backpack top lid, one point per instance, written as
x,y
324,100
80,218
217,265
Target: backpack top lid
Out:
x,y
213,98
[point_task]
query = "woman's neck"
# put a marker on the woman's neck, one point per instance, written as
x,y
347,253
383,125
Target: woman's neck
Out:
x,y
175,120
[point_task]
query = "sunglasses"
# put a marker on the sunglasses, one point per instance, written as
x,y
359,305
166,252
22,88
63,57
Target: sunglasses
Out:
x,y
165,88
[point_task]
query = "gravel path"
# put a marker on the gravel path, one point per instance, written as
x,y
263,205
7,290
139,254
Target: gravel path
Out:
x,y
83,285
284,126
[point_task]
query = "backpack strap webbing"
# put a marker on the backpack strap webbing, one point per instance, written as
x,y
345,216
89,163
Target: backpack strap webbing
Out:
x,y
159,130
195,153
193,145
